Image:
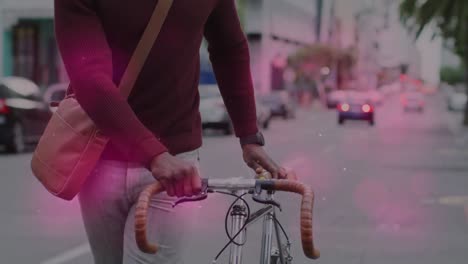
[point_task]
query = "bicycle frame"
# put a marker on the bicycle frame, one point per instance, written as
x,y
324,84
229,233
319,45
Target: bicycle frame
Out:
x,y
239,217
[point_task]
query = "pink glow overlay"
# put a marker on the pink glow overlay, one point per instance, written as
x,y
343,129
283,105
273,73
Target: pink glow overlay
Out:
x,y
398,209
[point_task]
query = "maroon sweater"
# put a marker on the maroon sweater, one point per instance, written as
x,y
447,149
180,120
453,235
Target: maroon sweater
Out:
x,y
96,39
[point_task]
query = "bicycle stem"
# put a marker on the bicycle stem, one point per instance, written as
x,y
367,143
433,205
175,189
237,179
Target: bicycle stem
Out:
x,y
239,217
265,256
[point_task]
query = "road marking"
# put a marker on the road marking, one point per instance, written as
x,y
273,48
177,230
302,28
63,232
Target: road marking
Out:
x,y
449,200
69,255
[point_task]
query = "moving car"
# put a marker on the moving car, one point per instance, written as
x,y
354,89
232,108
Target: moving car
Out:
x,y
335,97
412,101
55,93
214,114
280,104
355,107
23,114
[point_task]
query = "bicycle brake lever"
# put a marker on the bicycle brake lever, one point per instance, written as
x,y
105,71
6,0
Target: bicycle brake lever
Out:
x,y
200,197
257,199
196,198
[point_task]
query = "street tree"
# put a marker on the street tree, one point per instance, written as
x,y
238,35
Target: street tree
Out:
x,y
449,17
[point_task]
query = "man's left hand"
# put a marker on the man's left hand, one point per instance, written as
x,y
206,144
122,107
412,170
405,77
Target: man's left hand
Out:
x,y
257,159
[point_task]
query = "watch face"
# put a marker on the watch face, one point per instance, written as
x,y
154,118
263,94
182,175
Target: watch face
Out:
x,y
254,139
261,139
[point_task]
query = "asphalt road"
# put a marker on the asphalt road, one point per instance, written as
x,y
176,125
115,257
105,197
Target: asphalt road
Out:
x,y
393,193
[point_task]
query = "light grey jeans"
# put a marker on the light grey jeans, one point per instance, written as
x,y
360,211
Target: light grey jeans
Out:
x,y
107,203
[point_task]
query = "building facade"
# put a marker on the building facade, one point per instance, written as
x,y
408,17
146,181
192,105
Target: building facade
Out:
x,y
274,29
27,43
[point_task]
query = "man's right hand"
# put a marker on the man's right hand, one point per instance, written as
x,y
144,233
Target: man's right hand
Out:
x,y
179,177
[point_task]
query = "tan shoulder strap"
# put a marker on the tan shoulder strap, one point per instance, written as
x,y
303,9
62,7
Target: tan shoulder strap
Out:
x,y
144,47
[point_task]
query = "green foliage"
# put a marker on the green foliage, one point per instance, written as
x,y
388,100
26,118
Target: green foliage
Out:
x,y
451,19
452,75
310,59
449,16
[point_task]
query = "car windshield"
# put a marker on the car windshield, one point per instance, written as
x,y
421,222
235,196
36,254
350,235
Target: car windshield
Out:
x,y
271,98
209,91
357,97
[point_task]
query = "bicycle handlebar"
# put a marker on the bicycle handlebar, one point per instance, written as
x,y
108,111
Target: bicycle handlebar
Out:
x,y
234,184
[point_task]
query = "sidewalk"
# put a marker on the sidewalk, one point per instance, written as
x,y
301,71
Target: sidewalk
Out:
x,y
460,132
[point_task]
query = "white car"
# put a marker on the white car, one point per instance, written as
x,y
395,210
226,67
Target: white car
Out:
x,y
456,100
214,114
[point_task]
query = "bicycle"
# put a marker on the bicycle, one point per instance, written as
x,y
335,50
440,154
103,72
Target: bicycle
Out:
x,y
241,217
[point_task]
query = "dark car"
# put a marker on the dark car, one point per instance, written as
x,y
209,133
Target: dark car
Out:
x,y
356,108
334,98
280,104
23,114
54,94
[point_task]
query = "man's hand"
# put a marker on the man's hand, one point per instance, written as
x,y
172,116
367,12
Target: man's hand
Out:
x,y
179,177
257,159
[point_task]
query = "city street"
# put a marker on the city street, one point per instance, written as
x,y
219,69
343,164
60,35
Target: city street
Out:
x,y
393,193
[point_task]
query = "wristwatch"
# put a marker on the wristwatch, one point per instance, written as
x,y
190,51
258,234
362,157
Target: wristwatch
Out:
x,y
253,139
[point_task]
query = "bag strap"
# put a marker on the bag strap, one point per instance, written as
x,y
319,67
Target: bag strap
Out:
x,y
144,46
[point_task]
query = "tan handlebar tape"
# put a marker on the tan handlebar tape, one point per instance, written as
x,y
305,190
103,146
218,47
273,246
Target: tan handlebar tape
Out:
x,y
141,215
307,205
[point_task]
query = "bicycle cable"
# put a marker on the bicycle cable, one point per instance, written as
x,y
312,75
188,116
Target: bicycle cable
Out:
x,y
231,239
226,219
282,229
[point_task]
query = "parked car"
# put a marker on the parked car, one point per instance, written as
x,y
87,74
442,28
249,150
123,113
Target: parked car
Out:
x,y
456,99
356,107
55,93
412,101
215,116
280,104
23,113
334,98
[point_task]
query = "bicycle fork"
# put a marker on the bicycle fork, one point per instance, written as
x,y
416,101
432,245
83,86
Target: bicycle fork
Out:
x,y
239,216
265,256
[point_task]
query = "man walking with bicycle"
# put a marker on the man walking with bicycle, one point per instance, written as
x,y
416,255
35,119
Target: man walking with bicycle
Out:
x,y
156,133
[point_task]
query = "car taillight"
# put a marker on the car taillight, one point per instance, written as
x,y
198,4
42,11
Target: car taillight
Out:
x,y
344,107
366,108
3,107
